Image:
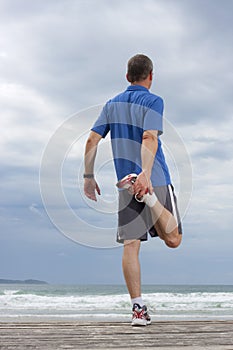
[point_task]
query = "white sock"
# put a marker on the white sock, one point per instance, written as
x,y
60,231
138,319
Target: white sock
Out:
x,y
151,199
148,199
137,300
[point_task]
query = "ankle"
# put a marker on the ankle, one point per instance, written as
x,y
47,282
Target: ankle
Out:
x,y
137,300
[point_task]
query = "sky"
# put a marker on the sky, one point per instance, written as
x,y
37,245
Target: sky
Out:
x,y
60,61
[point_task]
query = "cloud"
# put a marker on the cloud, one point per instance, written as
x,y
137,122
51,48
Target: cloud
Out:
x,y
34,209
29,119
59,57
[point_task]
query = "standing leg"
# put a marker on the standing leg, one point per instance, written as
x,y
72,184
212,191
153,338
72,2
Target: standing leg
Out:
x,y
131,267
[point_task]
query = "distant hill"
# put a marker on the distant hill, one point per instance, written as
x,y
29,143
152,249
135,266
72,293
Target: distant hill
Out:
x,y
30,281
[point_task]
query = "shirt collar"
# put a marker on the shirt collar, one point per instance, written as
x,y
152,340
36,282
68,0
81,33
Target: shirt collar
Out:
x,y
136,88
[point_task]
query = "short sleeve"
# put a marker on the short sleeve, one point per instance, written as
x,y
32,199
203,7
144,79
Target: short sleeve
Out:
x,y
101,125
153,119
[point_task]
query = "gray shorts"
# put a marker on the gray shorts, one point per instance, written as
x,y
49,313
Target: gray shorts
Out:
x,y
134,218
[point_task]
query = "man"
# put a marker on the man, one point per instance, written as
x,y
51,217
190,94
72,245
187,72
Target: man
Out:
x,y
146,196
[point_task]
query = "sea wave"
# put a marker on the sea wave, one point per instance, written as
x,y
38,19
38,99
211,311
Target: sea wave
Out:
x,y
72,302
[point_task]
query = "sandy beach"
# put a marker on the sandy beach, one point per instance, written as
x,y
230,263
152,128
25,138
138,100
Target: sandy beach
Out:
x,y
214,335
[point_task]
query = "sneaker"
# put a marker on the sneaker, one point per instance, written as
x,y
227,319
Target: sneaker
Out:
x,y
127,181
140,316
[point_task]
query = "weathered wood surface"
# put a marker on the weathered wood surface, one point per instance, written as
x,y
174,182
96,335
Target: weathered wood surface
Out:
x,y
171,335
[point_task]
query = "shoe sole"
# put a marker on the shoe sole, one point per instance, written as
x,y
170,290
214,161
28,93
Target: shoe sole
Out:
x,y
139,322
126,182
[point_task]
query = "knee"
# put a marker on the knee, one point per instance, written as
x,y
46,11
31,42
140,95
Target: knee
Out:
x,y
131,247
174,242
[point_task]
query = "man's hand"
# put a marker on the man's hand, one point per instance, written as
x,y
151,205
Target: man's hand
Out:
x,y
90,189
142,185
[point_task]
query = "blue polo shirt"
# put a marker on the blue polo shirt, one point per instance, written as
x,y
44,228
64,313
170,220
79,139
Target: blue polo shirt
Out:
x,y
127,116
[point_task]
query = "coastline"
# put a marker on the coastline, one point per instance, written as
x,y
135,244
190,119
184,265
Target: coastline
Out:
x,y
187,335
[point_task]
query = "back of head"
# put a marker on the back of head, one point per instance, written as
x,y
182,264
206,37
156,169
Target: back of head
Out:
x,y
139,67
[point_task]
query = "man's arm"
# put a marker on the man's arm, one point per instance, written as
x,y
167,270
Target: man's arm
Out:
x,y
148,152
90,185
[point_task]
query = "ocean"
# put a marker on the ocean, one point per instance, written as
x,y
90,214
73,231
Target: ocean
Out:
x,y
112,303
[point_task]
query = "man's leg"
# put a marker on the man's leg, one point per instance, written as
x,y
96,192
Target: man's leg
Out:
x,y
166,225
132,274
131,267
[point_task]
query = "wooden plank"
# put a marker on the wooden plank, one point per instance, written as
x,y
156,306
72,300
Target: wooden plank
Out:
x,y
115,335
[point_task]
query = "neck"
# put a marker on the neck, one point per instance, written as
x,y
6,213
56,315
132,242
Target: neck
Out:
x,y
144,83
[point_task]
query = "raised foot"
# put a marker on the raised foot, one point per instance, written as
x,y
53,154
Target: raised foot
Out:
x,y
127,181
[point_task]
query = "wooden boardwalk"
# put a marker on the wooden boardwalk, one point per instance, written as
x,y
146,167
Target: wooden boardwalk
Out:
x,y
173,335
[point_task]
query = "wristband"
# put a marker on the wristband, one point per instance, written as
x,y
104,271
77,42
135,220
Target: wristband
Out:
x,y
88,176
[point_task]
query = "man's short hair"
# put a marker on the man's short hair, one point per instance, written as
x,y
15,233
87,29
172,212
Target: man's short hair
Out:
x,y
139,67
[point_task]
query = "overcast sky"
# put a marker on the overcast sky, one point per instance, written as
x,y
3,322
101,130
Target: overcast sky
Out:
x,y
58,60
